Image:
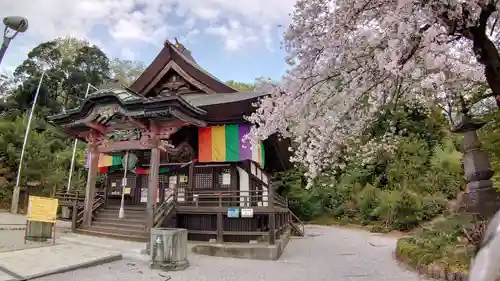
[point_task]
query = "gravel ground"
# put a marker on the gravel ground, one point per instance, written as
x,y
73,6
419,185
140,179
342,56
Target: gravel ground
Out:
x,y
327,254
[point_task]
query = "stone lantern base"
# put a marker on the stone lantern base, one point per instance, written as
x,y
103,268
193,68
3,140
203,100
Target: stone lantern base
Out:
x,y
485,202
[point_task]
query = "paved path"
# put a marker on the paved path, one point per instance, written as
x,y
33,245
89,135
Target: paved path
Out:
x,y
328,254
42,261
12,232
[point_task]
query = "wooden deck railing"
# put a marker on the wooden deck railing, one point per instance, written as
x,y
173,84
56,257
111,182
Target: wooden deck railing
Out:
x,y
230,198
77,216
67,198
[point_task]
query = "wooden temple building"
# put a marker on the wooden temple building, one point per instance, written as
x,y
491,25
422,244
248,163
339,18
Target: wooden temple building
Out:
x,y
180,133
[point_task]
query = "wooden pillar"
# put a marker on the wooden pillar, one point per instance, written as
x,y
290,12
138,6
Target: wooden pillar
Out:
x,y
272,217
153,185
191,179
90,187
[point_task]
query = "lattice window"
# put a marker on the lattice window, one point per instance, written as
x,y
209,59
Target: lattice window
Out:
x,y
224,178
204,178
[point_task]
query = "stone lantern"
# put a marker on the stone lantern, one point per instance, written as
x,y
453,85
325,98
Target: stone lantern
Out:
x,y
480,196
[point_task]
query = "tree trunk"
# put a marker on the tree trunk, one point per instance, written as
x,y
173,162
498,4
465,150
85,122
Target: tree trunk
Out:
x,y
487,54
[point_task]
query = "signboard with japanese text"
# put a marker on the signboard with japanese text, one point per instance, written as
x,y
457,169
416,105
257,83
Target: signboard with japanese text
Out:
x,y
42,209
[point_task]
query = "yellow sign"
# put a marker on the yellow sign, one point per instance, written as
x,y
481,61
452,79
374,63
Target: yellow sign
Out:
x,y
42,209
126,190
183,179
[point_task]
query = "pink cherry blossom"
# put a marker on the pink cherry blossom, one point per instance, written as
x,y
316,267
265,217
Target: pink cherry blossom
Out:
x,y
349,58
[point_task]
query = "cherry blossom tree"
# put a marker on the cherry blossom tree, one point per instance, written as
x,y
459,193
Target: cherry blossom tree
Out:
x,y
349,59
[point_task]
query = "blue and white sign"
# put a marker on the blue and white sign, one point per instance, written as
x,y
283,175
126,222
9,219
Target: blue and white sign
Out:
x,y
233,212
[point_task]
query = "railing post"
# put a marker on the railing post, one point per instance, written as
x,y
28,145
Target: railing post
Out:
x,y
74,218
220,221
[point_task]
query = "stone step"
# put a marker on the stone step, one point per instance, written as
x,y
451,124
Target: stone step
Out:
x,y
137,238
128,215
114,230
120,225
126,208
115,219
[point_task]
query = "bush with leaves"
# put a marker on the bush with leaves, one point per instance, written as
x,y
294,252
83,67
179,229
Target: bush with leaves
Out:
x,y
420,184
448,242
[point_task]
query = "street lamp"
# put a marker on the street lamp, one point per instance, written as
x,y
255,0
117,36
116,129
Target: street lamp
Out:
x,y
13,25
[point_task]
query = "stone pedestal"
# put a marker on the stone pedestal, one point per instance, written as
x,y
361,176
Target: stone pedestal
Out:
x,y
65,213
480,196
39,231
169,249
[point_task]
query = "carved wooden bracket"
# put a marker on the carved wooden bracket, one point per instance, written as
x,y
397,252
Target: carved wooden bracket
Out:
x,y
94,137
138,123
98,127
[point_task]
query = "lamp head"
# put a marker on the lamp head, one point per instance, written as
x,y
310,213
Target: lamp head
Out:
x,y
16,23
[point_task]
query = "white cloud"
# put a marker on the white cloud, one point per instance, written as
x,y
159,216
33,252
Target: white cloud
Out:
x,y
234,34
128,54
237,22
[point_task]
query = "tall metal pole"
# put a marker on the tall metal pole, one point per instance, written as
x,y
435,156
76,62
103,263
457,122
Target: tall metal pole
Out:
x,y
72,166
121,213
17,189
3,48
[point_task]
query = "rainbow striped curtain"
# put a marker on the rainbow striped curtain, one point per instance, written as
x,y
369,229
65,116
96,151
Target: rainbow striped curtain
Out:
x,y
226,144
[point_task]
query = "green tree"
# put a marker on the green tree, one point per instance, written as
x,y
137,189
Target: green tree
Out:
x,y
240,86
126,71
69,64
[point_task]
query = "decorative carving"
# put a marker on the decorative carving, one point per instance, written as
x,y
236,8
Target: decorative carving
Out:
x,y
174,84
93,137
156,86
180,154
106,112
125,134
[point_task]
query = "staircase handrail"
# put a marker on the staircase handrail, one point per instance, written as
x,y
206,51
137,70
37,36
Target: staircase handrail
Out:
x,y
297,221
77,217
164,208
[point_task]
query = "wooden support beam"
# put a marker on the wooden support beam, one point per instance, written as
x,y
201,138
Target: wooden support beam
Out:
x,y
153,185
126,145
98,127
90,188
272,217
220,223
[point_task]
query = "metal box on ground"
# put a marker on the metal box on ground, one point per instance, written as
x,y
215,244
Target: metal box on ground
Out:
x,y
168,248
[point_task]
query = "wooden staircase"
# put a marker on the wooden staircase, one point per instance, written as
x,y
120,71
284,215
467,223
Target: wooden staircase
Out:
x,y
106,223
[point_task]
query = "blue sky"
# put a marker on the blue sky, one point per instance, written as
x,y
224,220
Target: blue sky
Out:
x,y
234,40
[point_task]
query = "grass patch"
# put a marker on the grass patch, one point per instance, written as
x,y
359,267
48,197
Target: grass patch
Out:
x,y
447,242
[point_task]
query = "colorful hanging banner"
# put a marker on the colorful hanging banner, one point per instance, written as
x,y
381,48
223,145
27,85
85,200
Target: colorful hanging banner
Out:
x,y
145,171
227,144
105,160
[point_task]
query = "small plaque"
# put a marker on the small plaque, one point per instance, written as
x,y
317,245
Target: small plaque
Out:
x,y
247,213
233,212
226,179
